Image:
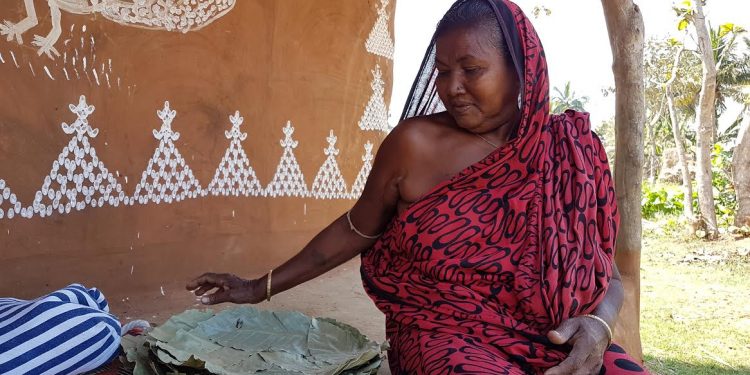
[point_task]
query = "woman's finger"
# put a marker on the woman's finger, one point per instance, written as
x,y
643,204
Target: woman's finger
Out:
x,y
212,279
220,296
203,289
205,279
576,360
564,332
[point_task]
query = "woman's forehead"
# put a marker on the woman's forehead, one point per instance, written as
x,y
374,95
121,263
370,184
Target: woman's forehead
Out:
x,y
466,42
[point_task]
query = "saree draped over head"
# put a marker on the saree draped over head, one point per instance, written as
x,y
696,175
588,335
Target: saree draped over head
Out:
x,y
474,274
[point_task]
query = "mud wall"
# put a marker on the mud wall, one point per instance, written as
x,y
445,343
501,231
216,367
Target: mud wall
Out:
x,y
105,183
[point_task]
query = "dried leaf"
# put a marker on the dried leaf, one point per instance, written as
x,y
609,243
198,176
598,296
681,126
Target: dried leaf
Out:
x,y
245,340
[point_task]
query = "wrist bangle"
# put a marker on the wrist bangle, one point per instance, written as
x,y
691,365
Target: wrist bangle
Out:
x,y
357,231
268,285
604,323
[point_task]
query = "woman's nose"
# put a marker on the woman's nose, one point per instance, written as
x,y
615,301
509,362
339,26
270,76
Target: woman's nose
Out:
x,y
456,85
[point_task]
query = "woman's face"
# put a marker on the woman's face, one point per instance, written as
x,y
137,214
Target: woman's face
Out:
x,y
478,87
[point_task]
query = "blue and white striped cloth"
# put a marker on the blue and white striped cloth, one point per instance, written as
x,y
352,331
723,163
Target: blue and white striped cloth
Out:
x,y
69,331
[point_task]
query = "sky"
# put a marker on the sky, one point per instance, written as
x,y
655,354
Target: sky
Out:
x,y
574,37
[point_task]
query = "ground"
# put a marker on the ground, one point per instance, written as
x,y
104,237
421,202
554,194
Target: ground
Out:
x,y
695,310
337,294
694,300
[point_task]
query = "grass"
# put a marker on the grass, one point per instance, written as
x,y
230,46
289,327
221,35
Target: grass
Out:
x,y
695,305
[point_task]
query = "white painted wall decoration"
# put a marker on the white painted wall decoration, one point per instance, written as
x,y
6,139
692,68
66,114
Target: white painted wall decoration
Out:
x,y
380,42
375,116
167,177
9,204
235,176
359,184
329,183
171,15
78,179
79,60
288,179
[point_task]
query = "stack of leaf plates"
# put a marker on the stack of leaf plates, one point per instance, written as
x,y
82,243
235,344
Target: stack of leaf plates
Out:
x,y
245,340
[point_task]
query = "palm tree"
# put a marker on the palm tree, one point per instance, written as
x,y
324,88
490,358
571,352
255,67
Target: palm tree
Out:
x,y
565,99
733,76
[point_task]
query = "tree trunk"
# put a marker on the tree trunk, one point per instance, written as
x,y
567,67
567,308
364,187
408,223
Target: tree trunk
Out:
x,y
626,37
706,120
687,184
741,174
652,143
652,155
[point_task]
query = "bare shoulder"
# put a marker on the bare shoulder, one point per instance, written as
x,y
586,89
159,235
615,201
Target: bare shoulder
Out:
x,y
406,147
418,134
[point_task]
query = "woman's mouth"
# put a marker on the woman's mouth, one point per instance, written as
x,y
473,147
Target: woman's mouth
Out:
x,y
461,108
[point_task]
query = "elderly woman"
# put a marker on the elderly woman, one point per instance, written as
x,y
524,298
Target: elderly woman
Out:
x,y
487,226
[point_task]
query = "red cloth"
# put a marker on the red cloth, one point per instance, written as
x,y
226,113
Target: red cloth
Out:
x,y
474,274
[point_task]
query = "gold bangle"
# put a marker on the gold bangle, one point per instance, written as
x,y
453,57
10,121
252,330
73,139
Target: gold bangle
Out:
x,y
268,285
606,325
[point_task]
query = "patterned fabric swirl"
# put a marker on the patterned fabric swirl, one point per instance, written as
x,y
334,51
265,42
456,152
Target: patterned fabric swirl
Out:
x,y
473,275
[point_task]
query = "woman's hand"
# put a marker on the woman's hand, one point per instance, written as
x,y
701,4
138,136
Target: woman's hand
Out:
x,y
229,288
589,339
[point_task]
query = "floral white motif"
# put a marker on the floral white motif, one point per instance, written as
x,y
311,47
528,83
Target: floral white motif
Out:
x,y
8,200
359,184
235,176
78,179
288,179
379,42
375,116
167,177
329,183
81,125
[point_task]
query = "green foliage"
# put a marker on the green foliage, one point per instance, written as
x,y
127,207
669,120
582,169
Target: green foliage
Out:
x,y
541,10
606,133
565,99
724,193
661,200
685,11
733,64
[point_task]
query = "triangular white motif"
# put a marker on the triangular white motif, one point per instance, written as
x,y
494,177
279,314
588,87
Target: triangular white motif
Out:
x,y
9,204
329,183
78,178
379,42
376,113
288,180
167,177
235,176
359,184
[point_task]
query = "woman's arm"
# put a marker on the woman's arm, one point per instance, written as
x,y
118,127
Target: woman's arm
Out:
x,y
333,246
610,306
588,336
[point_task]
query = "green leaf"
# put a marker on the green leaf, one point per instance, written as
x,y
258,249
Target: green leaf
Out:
x,y
725,29
682,25
136,351
244,340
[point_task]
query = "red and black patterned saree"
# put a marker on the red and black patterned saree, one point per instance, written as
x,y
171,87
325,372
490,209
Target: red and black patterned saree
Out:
x,y
473,275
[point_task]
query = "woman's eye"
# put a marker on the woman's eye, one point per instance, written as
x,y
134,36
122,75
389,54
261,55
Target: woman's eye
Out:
x,y
442,73
471,69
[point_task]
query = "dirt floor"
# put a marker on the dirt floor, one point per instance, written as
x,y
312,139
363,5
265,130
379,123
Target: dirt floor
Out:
x,y
337,294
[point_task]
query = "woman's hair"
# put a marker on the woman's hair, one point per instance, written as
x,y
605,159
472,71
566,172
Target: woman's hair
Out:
x,y
475,14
